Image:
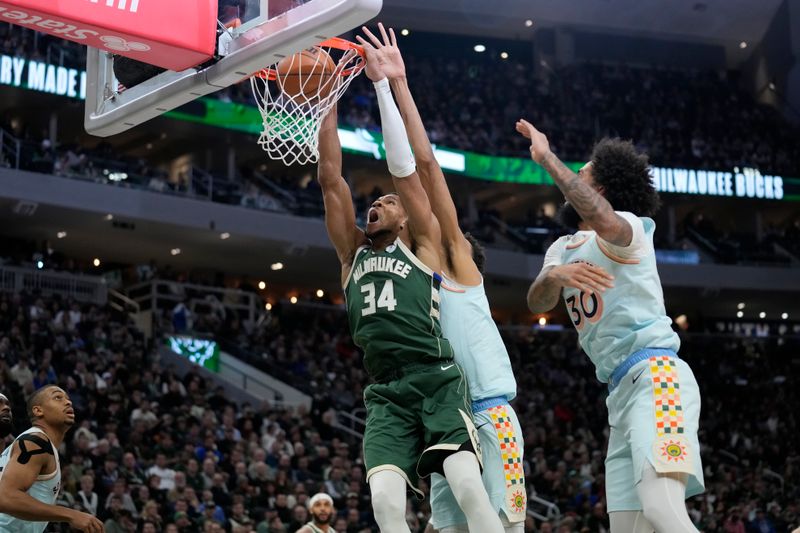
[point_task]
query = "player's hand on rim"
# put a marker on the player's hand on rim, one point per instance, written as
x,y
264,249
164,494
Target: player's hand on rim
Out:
x,y
385,52
583,276
540,146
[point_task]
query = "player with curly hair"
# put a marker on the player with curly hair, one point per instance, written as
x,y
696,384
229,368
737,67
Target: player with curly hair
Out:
x,y
606,272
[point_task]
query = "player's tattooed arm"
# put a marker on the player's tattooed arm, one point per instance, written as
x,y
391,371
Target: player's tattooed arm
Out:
x,y
593,208
544,292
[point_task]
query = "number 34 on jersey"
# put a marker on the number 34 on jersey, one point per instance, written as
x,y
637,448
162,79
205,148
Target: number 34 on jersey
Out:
x,y
386,299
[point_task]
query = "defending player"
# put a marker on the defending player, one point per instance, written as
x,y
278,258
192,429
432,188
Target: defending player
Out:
x,y
321,508
6,417
418,418
608,277
467,323
30,473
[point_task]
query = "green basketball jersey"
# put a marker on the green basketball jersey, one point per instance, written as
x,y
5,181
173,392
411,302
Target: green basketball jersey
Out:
x,y
393,307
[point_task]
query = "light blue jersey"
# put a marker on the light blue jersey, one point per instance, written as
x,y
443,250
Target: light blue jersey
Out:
x,y
467,323
627,318
45,489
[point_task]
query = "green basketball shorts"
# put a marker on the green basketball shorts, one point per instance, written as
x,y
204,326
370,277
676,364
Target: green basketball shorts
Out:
x,y
418,419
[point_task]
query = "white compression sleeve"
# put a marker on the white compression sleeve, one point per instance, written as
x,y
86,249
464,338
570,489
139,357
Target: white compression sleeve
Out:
x,y
399,158
463,473
663,501
388,490
629,522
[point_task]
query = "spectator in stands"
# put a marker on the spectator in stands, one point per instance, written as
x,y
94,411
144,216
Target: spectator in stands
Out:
x,y
86,497
165,475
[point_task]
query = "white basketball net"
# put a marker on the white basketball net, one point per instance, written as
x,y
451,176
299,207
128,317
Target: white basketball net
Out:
x,y
291,122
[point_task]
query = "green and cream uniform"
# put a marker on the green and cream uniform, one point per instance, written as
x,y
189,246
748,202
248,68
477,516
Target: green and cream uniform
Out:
x,y
418,408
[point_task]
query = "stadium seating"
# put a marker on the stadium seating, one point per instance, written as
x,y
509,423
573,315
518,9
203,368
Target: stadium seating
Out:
x,y
163,449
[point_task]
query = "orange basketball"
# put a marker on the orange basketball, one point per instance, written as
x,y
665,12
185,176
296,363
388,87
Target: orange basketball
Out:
x,y
309,73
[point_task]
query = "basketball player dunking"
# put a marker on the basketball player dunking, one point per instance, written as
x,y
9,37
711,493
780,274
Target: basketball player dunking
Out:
x,y
418,419
467,323
607,275
30,473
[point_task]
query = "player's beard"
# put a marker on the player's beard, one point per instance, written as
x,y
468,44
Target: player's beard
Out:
x,y
377,233
321,521
568,217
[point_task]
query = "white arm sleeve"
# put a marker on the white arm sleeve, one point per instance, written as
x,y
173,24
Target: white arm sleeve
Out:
x,y
399,157
639,242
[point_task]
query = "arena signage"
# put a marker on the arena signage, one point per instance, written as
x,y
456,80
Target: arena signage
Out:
x,y
202,352
42,77
145,31
744,183
740,183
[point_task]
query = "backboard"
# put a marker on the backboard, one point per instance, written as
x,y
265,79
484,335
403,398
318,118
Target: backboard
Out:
x,y
259,33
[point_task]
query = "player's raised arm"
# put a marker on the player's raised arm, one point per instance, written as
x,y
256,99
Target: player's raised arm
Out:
x,y
593,208
430,173
400,160
21,472
340,216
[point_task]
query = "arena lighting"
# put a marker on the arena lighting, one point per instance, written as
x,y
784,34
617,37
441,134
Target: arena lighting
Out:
x,y
739,314
109,217
115,176
276,266
96,262
785,316
268,307
404,32
225,236
503,55
762,314
740,306
479,48
528,23
771,86
743,45
175,251
542,321
293,299
61,234
320,293
40,264
262,285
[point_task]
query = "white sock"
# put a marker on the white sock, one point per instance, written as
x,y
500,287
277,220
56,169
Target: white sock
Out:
x,y
663,501
388,489
463,473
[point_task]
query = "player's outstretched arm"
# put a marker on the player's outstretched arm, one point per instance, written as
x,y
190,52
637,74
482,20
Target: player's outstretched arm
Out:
x,y
423,224
593,208
18,476
340,215
430,173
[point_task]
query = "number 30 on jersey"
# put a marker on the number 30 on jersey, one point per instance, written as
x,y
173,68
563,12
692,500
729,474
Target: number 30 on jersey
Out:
x,y
584,308
386,299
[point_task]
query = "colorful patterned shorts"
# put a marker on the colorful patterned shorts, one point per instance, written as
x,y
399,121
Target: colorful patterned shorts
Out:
x,y
654,414
503,474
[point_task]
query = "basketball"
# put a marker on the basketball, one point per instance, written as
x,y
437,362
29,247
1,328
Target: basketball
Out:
x,y
308,73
